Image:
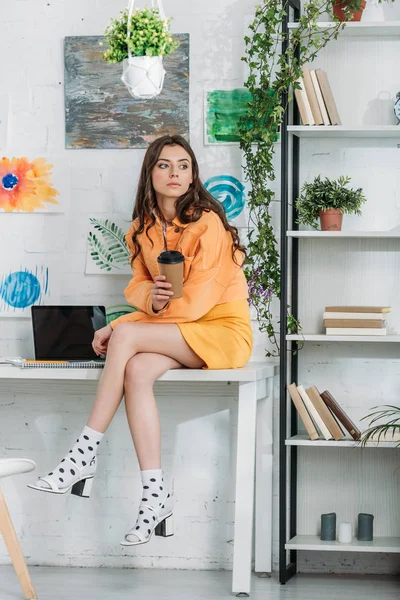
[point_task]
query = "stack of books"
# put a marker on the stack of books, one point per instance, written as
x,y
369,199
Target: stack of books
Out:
x,y
322,416
355,320
315,100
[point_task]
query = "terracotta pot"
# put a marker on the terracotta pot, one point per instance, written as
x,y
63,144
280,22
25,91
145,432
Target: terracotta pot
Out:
x,y
331,219
338,11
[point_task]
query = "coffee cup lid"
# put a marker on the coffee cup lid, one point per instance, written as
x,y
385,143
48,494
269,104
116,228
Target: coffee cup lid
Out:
x,y
170,257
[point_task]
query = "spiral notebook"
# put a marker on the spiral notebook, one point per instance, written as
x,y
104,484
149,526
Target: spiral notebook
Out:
x,y
24,363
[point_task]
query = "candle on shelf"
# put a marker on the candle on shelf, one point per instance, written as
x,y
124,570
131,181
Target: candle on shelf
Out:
x,y
345,533
328,527
365,527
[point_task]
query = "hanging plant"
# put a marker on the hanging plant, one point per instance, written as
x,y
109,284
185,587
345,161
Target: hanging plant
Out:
x,y
272,77
139,40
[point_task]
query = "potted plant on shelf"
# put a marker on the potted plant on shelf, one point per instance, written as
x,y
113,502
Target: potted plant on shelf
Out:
x,y
350,10
328,200
139,40
386,431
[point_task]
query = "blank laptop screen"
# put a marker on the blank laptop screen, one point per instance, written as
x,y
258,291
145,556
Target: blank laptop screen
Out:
x,y
66,332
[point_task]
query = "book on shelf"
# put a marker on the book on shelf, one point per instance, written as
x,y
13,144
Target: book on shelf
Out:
x,y
303,413
340,414
314,414
328,97
358,309
355,331
303,104
355,323
312,97
320,100
354,315
325,413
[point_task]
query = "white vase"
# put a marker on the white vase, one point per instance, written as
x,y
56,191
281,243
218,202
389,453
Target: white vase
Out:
x,y
143,76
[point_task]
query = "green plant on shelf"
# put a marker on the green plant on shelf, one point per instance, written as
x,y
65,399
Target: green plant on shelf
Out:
x,y
378,431
325,194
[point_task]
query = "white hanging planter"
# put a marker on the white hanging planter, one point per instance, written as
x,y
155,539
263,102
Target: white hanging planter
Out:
x,y
143,76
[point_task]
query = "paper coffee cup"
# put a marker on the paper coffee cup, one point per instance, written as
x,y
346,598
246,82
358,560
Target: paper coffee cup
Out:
x,y
171,265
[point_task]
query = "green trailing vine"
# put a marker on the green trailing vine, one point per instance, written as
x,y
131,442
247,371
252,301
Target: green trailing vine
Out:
x,y
110,252
272,75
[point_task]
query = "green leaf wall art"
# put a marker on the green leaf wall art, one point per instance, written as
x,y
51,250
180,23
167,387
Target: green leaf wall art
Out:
x,y
107,251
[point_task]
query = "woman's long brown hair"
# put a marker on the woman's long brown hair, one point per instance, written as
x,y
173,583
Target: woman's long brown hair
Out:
x,y
189,207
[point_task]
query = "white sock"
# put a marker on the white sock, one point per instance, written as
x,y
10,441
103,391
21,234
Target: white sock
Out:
x,y
153,487
82,454
154,495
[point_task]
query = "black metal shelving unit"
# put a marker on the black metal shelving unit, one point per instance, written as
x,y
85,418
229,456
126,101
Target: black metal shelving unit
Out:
x,y
288,360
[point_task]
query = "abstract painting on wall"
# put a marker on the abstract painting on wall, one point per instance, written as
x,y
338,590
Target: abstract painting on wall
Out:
x,y
32,185
107,252
22,286
100,113
231,193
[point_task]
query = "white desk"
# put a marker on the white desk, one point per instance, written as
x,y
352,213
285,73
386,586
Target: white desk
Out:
x,y
254,451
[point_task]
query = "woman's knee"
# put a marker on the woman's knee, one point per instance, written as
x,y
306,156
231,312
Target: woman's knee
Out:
x,y
139,370
124,332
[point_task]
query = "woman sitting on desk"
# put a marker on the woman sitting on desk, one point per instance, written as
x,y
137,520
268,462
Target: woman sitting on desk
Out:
x,y
209,327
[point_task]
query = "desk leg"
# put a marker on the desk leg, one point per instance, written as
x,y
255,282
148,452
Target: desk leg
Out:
x,y
263,504
244,496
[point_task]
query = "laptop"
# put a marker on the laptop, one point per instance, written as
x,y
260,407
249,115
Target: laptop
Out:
x,y
65,334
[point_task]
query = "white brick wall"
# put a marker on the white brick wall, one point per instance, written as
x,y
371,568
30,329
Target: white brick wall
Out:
x,y
41,423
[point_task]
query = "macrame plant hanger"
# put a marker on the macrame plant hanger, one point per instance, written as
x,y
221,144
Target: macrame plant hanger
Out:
x,y
143,75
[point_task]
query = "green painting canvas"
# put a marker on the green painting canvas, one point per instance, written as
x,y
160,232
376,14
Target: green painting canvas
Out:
x,y
223,109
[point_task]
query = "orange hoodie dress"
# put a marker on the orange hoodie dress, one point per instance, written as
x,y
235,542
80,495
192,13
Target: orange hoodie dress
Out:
x,y
213,314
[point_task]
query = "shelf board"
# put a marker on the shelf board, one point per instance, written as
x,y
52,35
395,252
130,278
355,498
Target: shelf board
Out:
x,y
335,131
360,29
312,542
393,233
322,337
304,440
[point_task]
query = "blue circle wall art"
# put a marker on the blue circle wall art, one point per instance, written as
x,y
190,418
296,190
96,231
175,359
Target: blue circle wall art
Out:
x,y
230,192
21,289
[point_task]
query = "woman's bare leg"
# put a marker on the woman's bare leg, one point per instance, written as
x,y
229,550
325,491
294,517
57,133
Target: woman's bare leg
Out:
x,y
141,409
127,340
140,374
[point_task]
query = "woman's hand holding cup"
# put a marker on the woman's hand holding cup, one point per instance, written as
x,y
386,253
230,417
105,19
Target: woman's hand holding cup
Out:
x,y
160,293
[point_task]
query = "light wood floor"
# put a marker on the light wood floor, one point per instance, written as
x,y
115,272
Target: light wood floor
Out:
x,y
55,583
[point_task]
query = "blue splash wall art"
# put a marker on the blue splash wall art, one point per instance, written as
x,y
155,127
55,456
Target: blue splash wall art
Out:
x,y
20,289
230,192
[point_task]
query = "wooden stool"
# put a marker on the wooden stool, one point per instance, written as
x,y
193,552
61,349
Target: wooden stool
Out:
x,y
14,466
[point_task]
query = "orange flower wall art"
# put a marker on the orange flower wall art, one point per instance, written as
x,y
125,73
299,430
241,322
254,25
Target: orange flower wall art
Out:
x,y
25,185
